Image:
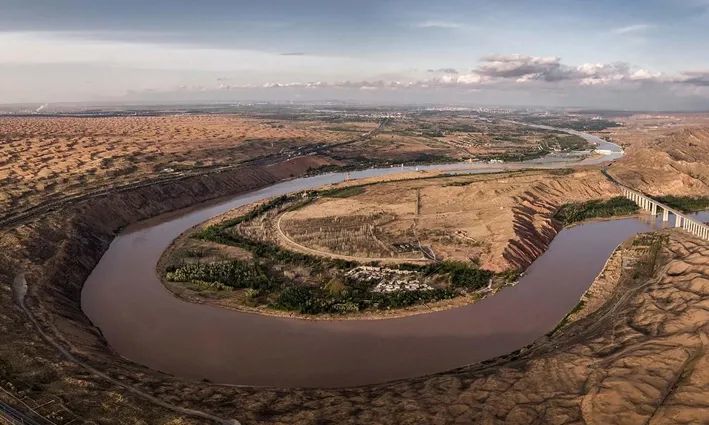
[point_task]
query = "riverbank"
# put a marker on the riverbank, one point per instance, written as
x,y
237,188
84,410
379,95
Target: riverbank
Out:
x,y
190,293
633,259
77,232
567,371
687,204
56,255
357,405
190,252
542,386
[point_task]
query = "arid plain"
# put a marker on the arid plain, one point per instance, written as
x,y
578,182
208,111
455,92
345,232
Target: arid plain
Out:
x,y
635,351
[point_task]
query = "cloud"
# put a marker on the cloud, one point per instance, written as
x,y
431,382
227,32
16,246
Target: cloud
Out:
x,y
40,60
632,29
522,67
499,79
525,69
470,78
446,80
696,78
510,71
439,25
443,71
591,74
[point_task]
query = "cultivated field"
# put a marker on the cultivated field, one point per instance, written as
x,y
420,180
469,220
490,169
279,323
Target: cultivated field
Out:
x,y
465,218
454,138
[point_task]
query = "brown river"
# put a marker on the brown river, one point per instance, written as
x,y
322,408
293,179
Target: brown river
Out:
x,y
144,322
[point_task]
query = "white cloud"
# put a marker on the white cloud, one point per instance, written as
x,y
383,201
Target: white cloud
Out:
x,y
526,69
470,78
591,74
632,29
696,78
522,67
644,74
62,66
439,25
508,70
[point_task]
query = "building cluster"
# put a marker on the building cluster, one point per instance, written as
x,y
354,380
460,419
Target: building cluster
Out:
x,y
387,280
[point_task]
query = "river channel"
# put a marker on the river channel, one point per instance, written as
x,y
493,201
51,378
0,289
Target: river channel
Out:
x,y
144,322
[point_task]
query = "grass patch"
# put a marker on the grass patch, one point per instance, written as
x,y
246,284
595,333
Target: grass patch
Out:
x,y
565,320
516,156
456,184
462,275
561,172
685,203
234,274
566,143
597,208
343,192
510,276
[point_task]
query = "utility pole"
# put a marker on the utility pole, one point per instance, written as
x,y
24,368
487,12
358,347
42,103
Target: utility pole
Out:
x,y
418,202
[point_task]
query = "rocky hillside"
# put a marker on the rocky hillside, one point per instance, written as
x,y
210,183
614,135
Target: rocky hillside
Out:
x,y
533,222
670,163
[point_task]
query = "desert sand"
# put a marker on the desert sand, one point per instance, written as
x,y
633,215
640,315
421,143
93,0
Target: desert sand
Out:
x,y
639,357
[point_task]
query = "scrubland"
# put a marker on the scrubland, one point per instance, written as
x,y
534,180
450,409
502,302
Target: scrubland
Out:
x,y
634,352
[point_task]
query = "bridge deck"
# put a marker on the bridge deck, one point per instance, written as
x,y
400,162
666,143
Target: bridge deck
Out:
x,y
688,223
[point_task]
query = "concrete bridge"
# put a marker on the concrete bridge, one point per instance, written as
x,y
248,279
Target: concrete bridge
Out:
x,y
689,224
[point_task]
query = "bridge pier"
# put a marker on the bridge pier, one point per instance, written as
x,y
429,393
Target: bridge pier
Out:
x,y
648,204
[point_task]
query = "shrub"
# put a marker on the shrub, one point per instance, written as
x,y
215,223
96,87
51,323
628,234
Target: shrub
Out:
x,y
346,307
251,293
686,203
462,275
309,300
344,192
303,299
399,299
579,211
236,274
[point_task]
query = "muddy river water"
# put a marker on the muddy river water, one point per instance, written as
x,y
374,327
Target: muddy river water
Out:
x,y
144,322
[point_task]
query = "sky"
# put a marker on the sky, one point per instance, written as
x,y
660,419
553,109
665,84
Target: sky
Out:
x,y
650,54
